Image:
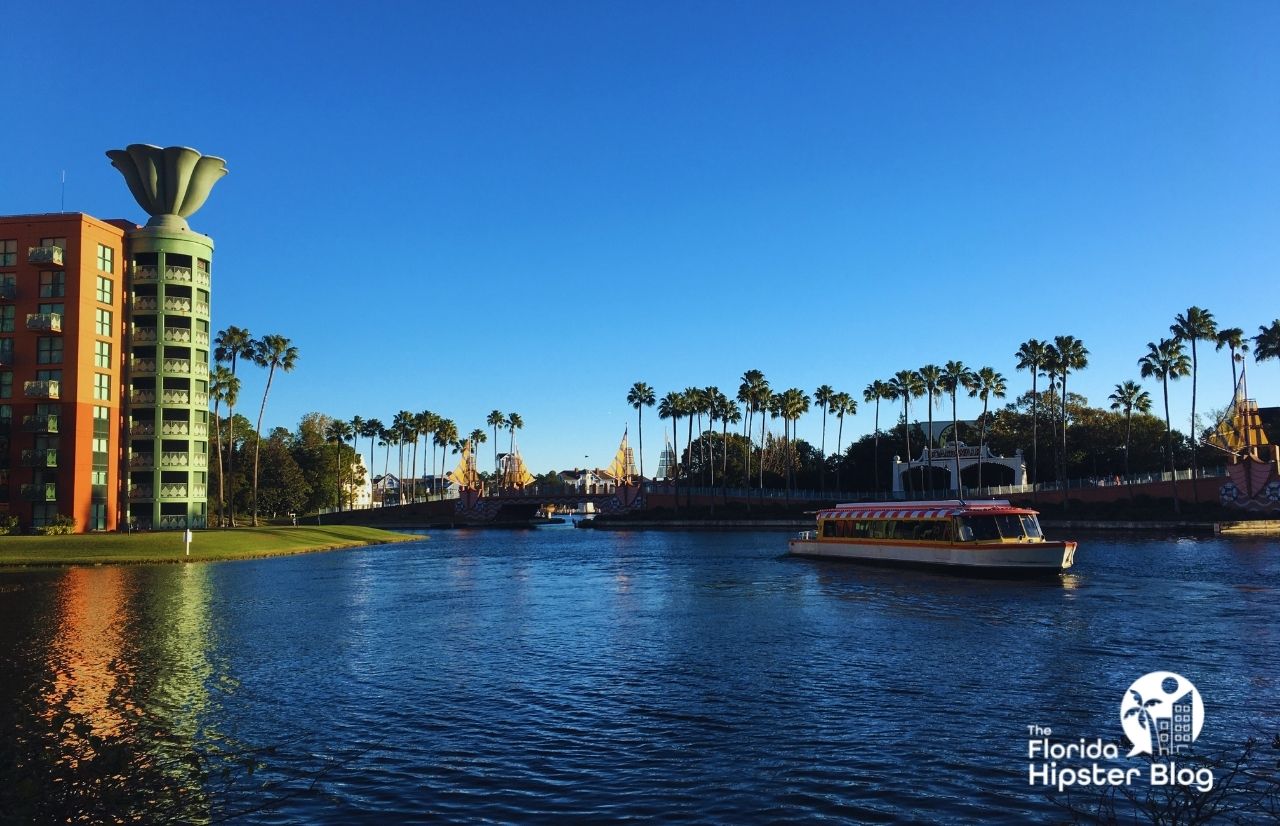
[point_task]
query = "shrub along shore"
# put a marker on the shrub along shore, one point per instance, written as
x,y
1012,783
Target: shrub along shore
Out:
x,y
206,546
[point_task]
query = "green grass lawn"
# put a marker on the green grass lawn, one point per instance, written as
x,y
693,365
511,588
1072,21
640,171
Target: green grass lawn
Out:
x,y
238,543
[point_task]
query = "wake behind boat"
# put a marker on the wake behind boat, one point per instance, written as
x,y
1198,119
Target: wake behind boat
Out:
x,y
991,536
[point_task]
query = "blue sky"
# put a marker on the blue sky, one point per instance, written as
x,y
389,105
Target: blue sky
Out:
x,y
529,206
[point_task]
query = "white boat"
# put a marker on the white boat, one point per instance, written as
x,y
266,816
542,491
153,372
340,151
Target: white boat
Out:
x,y
991,536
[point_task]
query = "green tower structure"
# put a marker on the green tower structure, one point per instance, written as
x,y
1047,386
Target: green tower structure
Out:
x,y
168,337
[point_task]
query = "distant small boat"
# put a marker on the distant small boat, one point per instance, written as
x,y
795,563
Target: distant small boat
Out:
x,y
991,536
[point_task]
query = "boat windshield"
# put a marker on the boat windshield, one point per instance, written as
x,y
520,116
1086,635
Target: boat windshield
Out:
x,y
1002,526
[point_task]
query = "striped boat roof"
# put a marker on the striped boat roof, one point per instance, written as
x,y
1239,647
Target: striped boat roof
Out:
x,y
920,510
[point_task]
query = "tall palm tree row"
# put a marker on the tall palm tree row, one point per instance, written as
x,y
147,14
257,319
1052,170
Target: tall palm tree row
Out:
x,y
823,397
224,388
671,406
497,419
906,385
1233,339
1166,360
1068,355
842,404
874,393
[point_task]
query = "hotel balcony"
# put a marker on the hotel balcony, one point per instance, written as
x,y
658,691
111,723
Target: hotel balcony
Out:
x,y
144,273
142,366
144,335
145,303
202,278
202,308
177,274
142,397
180,491
44,322
142,429
40,492
40,424
40,458
177,335
177,366
9,292
40,389
173,523
140,492
48,256
142,459
175,429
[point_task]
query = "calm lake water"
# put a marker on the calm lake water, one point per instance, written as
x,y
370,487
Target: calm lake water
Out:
x,y
554,674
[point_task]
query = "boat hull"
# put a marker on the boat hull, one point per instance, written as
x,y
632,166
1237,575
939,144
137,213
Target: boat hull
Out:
x,y
1028,558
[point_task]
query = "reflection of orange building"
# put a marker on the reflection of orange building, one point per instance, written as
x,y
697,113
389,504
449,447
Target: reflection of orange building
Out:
x,y
91,679
61,366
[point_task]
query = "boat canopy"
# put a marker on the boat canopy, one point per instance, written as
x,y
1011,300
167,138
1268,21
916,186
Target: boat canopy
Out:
x,y
921,510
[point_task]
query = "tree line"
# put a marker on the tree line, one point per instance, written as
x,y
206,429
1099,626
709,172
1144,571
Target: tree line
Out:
x,y
746,461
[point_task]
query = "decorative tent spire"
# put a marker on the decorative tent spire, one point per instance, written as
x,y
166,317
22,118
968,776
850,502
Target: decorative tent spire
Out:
x,y
171,184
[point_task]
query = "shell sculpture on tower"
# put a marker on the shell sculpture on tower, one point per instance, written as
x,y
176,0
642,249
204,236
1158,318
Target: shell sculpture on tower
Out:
x,y
169,183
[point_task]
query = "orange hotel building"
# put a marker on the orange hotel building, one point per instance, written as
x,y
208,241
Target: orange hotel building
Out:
x,y
62,296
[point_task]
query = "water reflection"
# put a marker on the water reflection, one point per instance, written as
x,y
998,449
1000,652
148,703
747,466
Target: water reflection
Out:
x,y
117,701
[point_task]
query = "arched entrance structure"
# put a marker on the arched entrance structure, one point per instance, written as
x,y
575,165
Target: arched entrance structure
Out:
x,y
944,458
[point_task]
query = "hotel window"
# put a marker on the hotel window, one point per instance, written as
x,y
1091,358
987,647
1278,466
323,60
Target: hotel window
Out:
x,y
48,375
6,319
98,477
6,384
53,284
6,351
54,242
106,258
101,386
99,445
6,413
103,322
49,350
106,289
102,354
8,253
50,309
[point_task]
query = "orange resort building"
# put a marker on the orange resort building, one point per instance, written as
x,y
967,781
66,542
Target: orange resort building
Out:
x,y
104,367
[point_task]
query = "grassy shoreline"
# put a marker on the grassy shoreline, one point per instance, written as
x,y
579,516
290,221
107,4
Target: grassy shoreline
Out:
x,y
206,546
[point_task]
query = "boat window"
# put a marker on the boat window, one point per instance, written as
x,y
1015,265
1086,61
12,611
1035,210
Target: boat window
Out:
x,y
1032,526
1010,525
978,529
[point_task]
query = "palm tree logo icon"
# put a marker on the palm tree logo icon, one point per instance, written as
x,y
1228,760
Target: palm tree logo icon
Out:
x,y
1162,713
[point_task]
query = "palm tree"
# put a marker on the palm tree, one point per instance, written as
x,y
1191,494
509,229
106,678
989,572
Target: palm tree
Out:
x,y
514,423
373,429
338,432
1167,360
876,392
231,345
793,404
822,397
1266,344
954,377
767,402
497,419
672,407
223,387
1196,324
401,426
444,437
755,393
1033,355
641,396
842,404
931,378
906,385
273,352
986,384
1071,355
716,403
477,437
728,413
1129,396
696,404
1233,339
